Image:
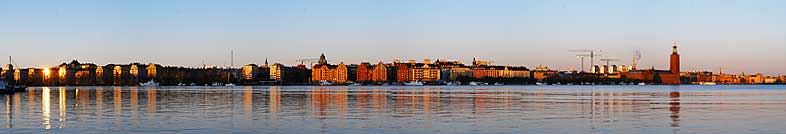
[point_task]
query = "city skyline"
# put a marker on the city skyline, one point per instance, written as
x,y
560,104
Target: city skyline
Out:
x,y
739,36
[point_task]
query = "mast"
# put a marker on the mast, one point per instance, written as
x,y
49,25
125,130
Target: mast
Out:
x,y
231,58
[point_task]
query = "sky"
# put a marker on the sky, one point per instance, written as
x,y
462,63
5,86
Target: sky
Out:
x,y
737,35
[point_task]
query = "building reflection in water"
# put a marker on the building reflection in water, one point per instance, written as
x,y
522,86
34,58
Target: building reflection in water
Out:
x,y
275,99
134,94
82,100
8,115
152,100
118,101
248,102
62,107
31,101
674,107
322,99
100,101
379,100
45,113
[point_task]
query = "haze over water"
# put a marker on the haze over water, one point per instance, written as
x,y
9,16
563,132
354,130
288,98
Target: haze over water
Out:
x,y
439,109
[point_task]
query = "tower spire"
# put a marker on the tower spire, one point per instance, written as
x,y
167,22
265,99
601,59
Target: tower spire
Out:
x,y
674,48
322,59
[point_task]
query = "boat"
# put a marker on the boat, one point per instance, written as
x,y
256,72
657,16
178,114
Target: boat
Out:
x,y
325,83
149,84
708,83
454,83
477,83
216,84
539,84
499,84
229,85
5,88
181,84
642,84
413,83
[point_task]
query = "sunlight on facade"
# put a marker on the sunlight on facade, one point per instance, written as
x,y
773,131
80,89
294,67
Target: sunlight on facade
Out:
x,y
61,72
134,71
151,71
47,73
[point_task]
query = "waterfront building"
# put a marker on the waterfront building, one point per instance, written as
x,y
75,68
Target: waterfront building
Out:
x,y
363,72
297,75
413,71
275,71
250,72
425,72
379,73
668,77
486,71
331,73
152,70
696,77
542,72
457,72
403,72
755,79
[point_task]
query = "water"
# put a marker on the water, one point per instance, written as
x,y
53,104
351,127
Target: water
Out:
x,y
338,110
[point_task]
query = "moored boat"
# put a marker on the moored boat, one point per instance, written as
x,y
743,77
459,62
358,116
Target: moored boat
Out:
x,y
5,88
149,84
413,83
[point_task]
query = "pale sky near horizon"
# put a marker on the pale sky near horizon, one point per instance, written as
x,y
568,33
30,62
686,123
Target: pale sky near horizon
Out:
x,y
739,35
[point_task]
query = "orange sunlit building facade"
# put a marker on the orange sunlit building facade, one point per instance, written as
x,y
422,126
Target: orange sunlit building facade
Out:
x,y
330,73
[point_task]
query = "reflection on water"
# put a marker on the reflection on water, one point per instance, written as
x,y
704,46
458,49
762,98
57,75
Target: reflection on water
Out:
x,y
499,109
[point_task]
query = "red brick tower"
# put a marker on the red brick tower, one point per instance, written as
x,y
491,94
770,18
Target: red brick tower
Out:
x,y
675,64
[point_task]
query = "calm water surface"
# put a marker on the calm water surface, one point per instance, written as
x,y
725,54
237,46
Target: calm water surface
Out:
x,y
338,110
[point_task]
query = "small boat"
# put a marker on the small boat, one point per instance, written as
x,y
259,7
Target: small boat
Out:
x,y
642,84
499,84
216,84
454,83
477,83
356,84
181,84
5,88
325,83
413,83
539,84
149,83
708,83
193,84
229,85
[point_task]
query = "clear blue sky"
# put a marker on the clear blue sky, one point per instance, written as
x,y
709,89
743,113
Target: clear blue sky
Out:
x,y
741,35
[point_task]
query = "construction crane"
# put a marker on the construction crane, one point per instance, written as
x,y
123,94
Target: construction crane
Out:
x,y
608,65
310,61
591,55
582,56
